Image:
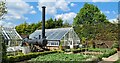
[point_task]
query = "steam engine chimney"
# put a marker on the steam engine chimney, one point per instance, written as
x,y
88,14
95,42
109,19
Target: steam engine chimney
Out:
x,y
43,22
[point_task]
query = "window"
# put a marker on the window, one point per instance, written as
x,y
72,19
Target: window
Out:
x,y
53,43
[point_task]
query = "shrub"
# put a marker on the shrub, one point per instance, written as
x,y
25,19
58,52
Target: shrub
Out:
x,y
27,56
76,51
106,52
79,50
115,45
109,53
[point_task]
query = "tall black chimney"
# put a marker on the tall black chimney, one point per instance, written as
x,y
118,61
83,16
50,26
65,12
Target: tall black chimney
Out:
x,y
43,22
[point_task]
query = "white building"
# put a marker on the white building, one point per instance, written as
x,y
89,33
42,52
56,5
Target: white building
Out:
x,y
11,38
65,37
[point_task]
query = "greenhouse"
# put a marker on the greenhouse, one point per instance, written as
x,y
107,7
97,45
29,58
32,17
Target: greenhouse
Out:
x,y
65,37
10,37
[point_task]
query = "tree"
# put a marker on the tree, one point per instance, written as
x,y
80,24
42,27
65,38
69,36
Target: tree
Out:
x,y
66,24
39,25
3,10
92,24
26,28
89,14
50,23
23,28
59,23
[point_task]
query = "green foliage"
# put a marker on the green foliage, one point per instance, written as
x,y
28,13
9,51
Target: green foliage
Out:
x,y
61,57
4,57
2,9
109,53
2,48
26,28
79,50
27,56
98,50
118,61
66,24
106,52
89,14
83,39
90,23
115,45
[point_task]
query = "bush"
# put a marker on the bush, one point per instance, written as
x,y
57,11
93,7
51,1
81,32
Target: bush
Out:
x,y
97,50
115,45
109,53
79,50
106,52
27,56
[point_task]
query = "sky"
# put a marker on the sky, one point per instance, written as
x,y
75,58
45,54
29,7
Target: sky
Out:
x,y
30,11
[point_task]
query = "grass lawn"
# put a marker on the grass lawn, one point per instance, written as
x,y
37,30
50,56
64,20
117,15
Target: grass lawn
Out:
x,y
62,57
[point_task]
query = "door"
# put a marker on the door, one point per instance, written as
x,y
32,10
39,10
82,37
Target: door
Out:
x,y
71,43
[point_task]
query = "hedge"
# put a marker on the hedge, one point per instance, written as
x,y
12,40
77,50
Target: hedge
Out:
x,y
79,50
109,53
18,58
106,52
98,50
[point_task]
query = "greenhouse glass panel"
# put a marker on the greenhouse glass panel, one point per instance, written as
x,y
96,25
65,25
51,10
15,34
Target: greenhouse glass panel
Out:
x,y
61,34
51,34
11,36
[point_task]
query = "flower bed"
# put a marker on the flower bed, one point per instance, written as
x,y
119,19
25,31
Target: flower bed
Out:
x,y
62,57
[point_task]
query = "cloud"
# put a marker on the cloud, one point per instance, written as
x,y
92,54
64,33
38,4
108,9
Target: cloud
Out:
x,y
17,10
52,7
72,4
67,0
113,12
66,17
107,12
33,12
105,0
31,7
113,20
7,24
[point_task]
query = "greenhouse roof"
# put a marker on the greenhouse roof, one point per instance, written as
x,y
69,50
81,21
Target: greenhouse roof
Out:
x,y
51,34
10,33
